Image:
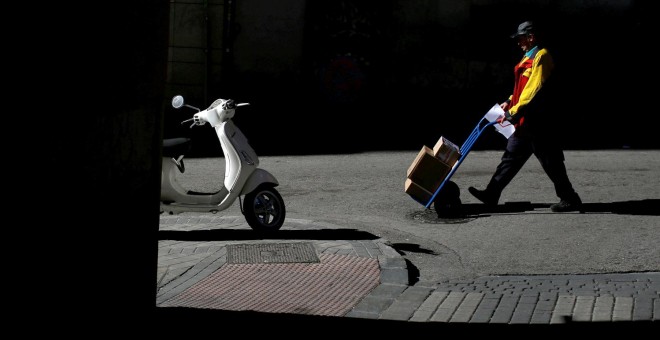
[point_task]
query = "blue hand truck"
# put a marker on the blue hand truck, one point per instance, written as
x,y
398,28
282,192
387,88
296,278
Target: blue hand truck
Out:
x,y
464,150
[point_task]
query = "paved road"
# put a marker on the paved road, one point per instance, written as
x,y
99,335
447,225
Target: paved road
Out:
x,y
618,232
517,264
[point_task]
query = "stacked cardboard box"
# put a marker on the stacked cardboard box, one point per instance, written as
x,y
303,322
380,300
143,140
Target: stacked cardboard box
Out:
x,y
430,168
417,192
446,151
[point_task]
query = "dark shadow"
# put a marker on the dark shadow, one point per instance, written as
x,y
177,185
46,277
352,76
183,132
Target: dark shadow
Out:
x,y
413,273
247,234
483,210
464,213
642,207
402,248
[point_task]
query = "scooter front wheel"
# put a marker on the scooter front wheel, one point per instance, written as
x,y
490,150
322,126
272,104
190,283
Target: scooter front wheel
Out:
x,y
264,209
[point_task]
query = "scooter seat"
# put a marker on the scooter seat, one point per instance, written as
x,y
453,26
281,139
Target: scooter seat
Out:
x,y
174,147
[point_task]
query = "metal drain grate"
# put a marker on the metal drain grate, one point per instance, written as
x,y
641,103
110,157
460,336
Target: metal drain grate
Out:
x,y
300,252
430,216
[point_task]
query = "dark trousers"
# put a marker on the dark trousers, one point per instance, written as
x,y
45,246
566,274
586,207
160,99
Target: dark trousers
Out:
x,y
519,148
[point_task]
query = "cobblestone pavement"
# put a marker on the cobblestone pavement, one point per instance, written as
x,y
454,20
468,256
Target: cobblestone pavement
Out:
x,y
369,280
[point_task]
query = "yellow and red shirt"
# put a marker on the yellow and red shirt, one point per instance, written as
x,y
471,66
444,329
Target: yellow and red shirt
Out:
x,y
530,74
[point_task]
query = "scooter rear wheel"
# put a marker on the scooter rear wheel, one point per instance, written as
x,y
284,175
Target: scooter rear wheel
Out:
x,y
264,209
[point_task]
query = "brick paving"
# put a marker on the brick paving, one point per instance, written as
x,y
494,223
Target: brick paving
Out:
x,y
368,280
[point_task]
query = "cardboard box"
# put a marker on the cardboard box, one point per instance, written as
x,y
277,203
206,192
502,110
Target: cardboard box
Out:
x,y
446,151
427,170
417,160
418,193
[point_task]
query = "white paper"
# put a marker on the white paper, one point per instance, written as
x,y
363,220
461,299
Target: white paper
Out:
x,y
506,128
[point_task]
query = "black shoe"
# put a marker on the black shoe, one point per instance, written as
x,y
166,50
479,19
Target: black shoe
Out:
x,y
484,196
566,206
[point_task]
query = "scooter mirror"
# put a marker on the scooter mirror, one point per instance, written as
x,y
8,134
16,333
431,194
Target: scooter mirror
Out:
x,y
177,101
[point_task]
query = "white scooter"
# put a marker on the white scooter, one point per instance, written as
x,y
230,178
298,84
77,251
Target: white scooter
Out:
x,y
263,206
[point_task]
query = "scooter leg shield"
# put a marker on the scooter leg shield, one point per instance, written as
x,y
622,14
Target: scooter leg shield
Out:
x,y
258,177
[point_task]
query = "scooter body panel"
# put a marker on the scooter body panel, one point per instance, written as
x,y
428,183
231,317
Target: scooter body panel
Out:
x,y
258,177
171,191
240,158
241,161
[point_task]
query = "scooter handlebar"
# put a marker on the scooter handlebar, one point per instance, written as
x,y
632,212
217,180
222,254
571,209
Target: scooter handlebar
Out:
x,y
221,110
196,119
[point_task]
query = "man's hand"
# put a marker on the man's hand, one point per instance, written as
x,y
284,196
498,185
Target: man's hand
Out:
x,y
506,117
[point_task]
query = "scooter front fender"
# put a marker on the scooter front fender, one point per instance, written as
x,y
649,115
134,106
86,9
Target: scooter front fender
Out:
x,y
258,177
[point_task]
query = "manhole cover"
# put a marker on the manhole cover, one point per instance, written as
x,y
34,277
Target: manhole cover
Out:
x,y
272,253
430,216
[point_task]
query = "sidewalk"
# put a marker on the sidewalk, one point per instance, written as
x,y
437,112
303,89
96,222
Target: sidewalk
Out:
x,y
315,269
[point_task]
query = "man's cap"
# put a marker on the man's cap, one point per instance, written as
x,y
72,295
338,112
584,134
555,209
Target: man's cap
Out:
x,y
523,29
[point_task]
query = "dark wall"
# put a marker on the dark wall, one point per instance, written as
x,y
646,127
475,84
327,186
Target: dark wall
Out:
x,y
96,167
393,75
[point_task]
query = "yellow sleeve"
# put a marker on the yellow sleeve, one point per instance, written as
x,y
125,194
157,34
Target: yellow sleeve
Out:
x,y
540,71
